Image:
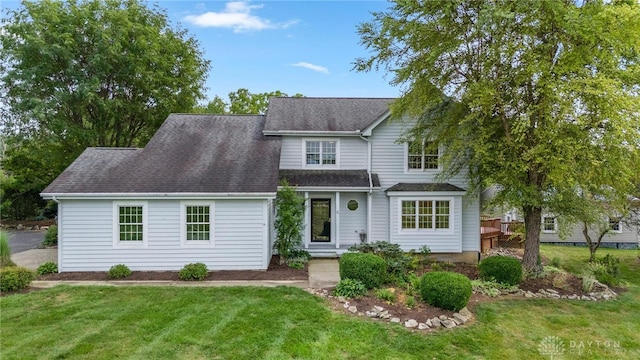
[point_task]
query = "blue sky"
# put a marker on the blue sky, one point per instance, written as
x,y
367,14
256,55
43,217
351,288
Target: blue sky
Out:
x,y
305,47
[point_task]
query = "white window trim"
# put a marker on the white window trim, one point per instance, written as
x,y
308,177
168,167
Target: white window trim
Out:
x,y
116,225
450,230
555,224
183,224
406,161
612,231
320,166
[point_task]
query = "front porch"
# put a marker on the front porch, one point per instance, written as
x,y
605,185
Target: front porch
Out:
x,y
327,250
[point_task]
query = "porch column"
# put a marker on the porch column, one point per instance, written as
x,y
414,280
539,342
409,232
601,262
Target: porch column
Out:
x,y
336,221
307,220
369,207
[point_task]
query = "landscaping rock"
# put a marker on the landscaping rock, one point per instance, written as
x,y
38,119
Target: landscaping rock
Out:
x,y
436,322
410,324
443,317
395,320
371,314
551,291
352,309
457,321
448,324
423,326
466,312
429,323
378,309
463,319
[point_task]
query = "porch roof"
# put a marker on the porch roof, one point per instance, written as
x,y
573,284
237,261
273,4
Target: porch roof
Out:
x,y
427,187
329,178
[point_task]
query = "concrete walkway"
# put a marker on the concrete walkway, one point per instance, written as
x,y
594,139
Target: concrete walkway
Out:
x,y
322,273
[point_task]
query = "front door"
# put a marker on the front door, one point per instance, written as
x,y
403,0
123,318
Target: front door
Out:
x,y
320,220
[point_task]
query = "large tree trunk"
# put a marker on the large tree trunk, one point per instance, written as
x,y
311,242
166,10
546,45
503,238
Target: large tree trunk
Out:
x,y
532,221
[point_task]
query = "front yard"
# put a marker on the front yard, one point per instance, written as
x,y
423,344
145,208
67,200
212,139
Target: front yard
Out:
x,y
277,323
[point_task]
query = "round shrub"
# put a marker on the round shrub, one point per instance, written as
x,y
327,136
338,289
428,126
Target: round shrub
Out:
x,y
503,269
119,271
48,268
370,269
446,290
350,288
193,272
15,278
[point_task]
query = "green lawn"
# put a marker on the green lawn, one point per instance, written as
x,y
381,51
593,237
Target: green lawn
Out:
x,y
280,323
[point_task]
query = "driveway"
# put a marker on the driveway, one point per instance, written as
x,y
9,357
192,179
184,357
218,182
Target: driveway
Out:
x,y
23,240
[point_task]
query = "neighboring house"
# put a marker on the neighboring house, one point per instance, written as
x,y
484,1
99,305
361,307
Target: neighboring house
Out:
x,y
203,189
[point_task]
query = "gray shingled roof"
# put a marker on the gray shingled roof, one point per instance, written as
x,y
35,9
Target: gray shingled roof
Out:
x,y
188,154
329,178
324,114
424,187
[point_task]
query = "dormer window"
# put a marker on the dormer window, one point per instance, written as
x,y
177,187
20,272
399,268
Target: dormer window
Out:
x,y
321,152
422,155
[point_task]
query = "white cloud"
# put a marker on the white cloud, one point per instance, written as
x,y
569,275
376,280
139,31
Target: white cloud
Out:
x,y
237,16
313,67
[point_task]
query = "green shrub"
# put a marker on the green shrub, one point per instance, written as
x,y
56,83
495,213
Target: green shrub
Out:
x,y
446,290
350,288
48,268
556,262
503,269
51,237
119,271
297,258
370,269
15,278
295,264
410,302
398,263
604,270
5,251
491,288
386,295
611,264
192,272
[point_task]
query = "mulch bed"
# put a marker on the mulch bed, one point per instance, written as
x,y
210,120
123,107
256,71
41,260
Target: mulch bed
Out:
x,y
275,271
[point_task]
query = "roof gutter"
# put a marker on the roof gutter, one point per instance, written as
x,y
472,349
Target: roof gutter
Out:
x,y
312,133
198,196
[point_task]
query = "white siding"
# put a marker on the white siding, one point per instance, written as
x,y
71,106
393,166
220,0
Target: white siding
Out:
x,y
239,227
388,161
628,235
352,153
352,222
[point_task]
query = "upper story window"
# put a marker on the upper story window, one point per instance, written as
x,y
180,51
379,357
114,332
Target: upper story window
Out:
x,y
321,153
422,155
549,224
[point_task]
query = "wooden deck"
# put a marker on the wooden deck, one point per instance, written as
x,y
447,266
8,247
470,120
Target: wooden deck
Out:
x,y
495,232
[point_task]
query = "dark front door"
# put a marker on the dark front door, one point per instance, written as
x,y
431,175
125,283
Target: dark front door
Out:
x,y
320,220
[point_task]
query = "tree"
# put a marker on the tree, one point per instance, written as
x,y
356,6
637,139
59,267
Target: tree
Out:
x,y
523,94
91,73
289,220
241,101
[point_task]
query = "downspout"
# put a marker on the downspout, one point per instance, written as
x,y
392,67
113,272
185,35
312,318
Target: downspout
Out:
x,y
370,195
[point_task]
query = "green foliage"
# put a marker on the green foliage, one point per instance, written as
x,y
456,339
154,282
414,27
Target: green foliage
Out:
x,y
502,269
298,258
515,124
398,263
15,278
446,290
370,269
72,77
350,288
491,288
410,302
556,262
289,221
47,268
51,237
387,295
241,101
193,272
119,271
604,269
5,250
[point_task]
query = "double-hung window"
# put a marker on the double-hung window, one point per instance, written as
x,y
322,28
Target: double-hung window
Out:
x,y
422,155
614,225
549,224
196,222
425,214
321,153
130,223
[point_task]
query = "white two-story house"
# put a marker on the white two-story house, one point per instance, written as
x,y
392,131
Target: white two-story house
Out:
x,y
202,190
